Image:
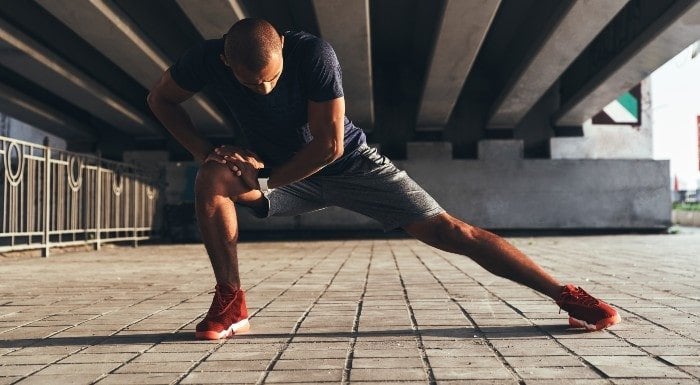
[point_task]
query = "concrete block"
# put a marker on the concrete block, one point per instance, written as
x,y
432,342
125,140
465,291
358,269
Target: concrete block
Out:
x,y
501,149
428,150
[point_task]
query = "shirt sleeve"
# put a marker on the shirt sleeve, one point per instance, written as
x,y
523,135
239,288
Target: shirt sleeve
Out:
x,y
322,73
189,71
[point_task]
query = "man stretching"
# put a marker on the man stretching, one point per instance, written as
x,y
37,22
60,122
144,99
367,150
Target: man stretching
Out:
x,y
285,90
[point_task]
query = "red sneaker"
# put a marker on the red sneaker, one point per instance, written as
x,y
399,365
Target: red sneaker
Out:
x,y
228,315
586,311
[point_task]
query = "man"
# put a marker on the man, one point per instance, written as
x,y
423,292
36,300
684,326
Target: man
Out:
x,y
285,91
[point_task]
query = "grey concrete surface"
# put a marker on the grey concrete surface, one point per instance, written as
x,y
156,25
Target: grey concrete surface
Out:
x,y
346,26
115,35
679,28
459,37
353,312
215,19
33,60
558,50
502,190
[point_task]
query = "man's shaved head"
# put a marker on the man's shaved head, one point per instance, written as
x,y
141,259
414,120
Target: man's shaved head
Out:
x,y
252,43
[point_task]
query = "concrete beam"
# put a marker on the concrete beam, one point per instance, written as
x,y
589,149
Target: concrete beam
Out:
x,y
104,26
214,20
675,30
32,60
460,35
345,24
31,111
559,49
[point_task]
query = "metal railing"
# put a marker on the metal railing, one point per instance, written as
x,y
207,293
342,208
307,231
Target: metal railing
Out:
x,y
52,197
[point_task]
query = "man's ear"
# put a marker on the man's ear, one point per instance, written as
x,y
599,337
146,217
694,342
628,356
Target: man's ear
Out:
x,y
282,38
223,60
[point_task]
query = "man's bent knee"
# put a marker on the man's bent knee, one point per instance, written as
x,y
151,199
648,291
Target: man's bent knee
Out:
x,y
217,179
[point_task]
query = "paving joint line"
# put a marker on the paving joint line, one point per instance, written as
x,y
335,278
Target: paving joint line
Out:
x,y
139,354
93,344
356,324
549,336
297,325
471,320
221,342
414,325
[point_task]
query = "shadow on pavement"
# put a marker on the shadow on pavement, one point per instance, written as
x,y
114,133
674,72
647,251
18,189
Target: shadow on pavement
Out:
x,y
465,333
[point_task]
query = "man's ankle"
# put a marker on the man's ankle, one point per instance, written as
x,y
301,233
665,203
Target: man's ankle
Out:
x,y
229,287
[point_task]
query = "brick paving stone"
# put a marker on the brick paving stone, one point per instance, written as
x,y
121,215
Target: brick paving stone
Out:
x,y
683,360
221,378
653,381
18,370
304,376
116,311
387,362
9,380
233,366
469,373
98,367
309,363
544,361
26,360
642,371
85,358
568,381
405,374
61,379
155,367
575,372
139,378
693,370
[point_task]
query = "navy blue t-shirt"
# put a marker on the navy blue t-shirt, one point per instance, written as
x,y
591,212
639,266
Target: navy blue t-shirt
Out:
x,y
275,125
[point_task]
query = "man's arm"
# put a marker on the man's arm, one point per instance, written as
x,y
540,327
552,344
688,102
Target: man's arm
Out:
x,y
164,99
326,123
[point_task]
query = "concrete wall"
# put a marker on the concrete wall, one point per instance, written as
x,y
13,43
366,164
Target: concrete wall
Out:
x,y
527,194
686,218
502,190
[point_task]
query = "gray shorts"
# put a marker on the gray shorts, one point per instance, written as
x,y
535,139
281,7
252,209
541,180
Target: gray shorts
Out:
x,y
370,185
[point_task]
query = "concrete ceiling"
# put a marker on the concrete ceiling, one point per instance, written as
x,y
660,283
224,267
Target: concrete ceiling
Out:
x,y
438,70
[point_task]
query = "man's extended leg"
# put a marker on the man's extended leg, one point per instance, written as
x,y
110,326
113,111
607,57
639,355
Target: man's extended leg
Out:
x,y
499,257
216,190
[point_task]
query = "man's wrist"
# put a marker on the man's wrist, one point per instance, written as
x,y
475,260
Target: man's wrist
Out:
x,y
263,178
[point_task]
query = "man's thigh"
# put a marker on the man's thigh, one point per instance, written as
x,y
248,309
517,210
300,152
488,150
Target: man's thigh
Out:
x,y
294,199
376,188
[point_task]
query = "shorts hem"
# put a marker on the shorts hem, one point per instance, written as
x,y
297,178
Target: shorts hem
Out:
x,y
424,215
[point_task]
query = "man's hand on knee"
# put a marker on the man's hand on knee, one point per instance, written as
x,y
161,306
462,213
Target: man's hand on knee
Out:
x,y
227,154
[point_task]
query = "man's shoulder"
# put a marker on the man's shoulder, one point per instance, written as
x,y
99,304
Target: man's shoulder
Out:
x,y
304,43
212,47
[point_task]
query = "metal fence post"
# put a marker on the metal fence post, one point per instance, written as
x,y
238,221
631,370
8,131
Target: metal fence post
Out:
x,y
136,207
47,197
98,204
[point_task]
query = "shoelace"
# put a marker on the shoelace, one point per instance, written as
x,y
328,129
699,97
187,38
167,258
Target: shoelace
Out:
x,y
219,303
580,296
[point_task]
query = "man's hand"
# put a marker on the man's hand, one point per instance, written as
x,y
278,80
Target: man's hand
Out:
x,y
242,162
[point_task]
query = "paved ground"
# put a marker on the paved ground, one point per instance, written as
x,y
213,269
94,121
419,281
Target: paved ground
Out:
x,y
352,312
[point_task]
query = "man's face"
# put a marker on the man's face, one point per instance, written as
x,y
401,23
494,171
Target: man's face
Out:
x,y
263,81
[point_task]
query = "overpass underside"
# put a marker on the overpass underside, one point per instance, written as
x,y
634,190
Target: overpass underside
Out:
x,y
485,103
